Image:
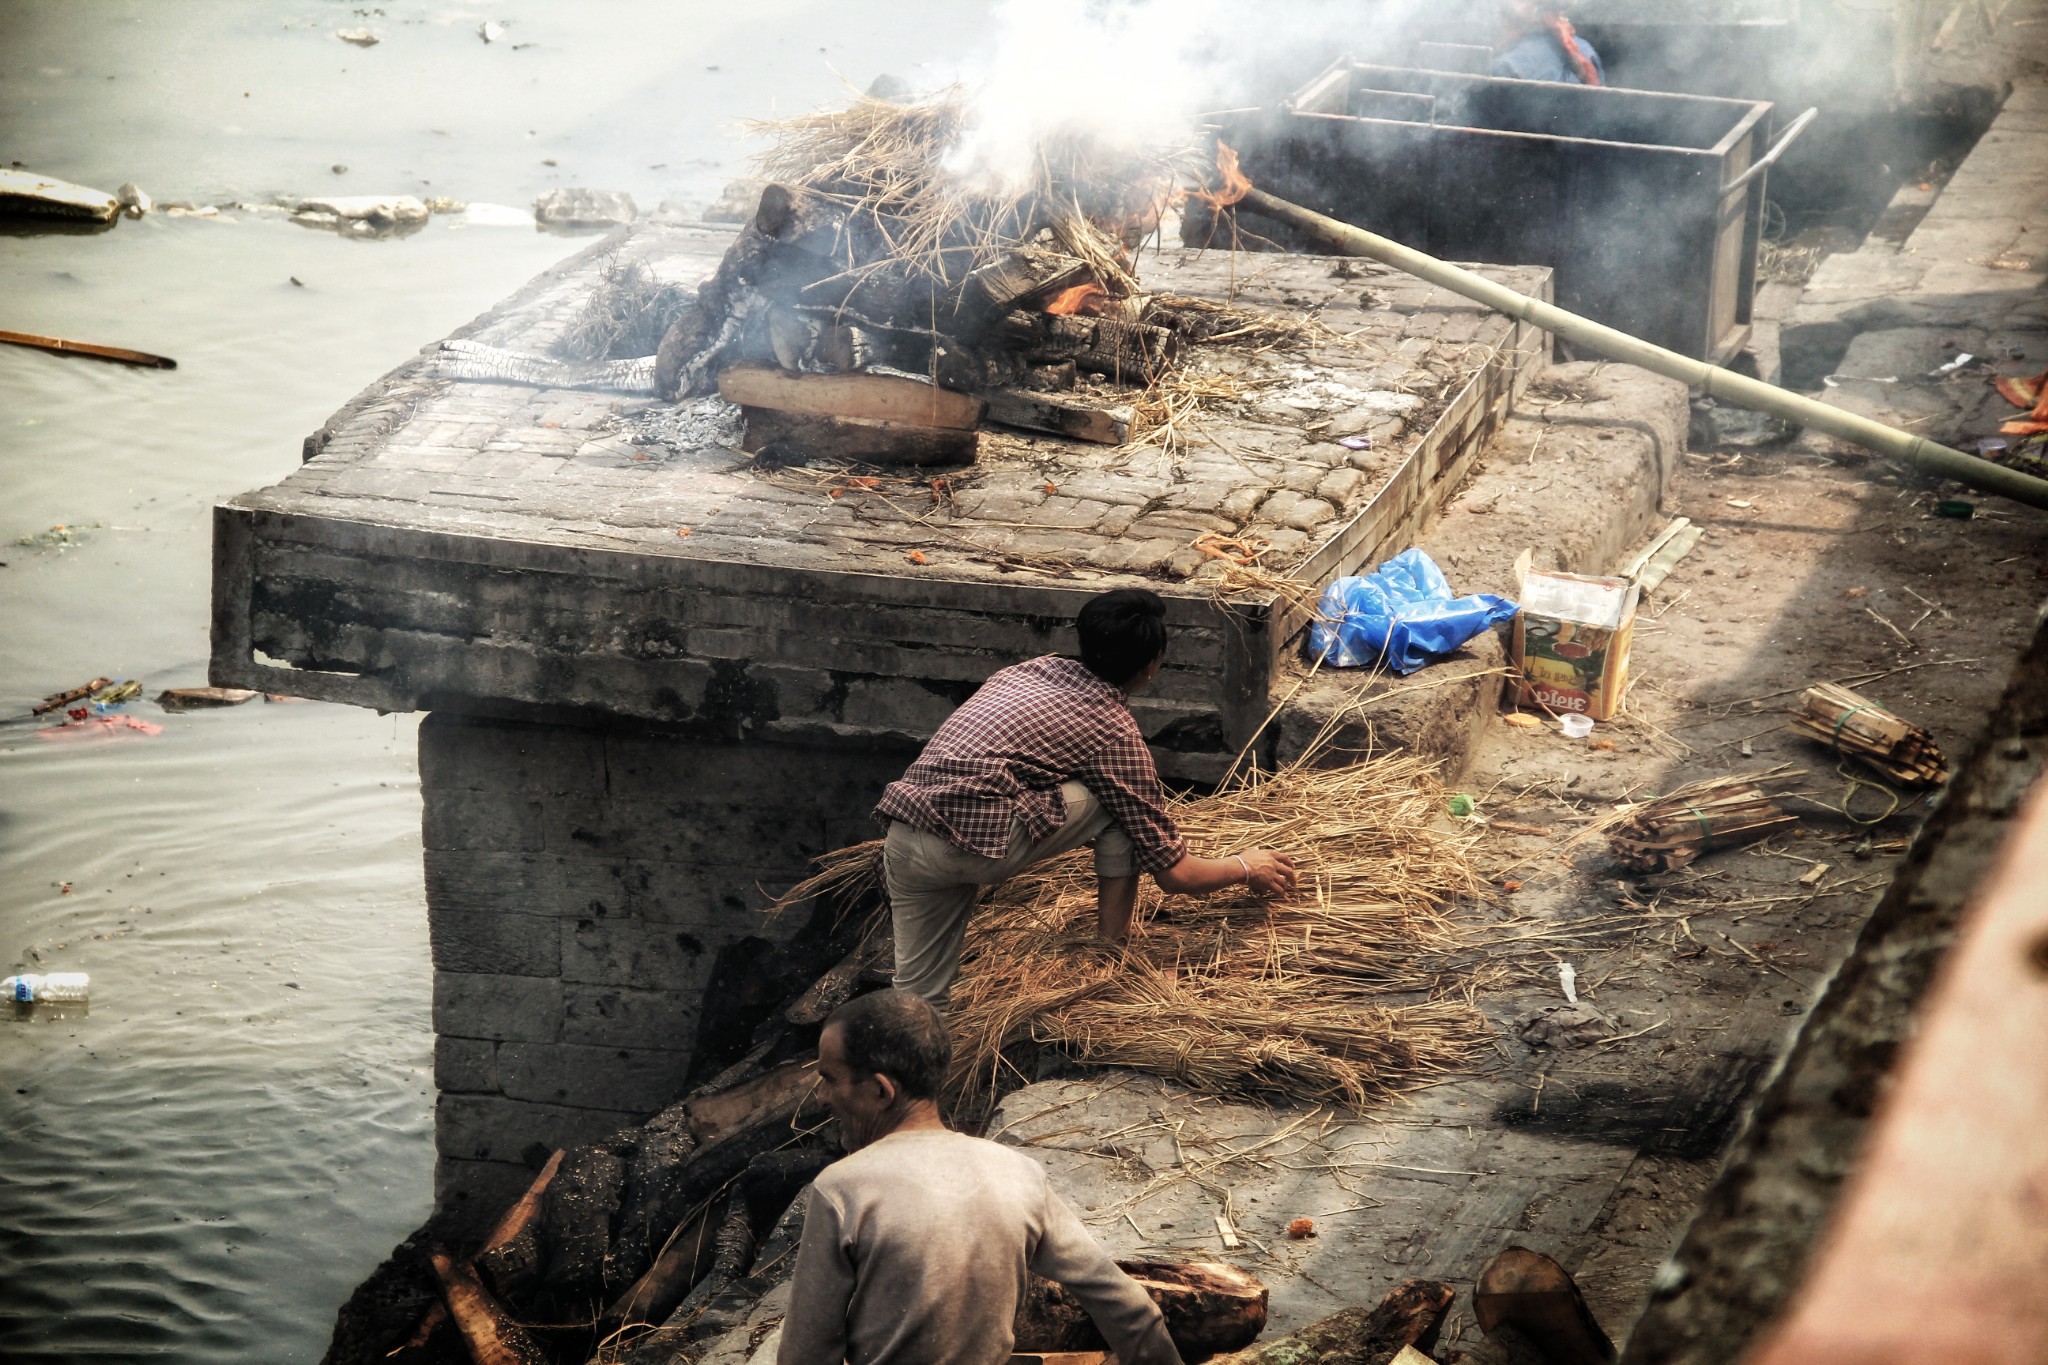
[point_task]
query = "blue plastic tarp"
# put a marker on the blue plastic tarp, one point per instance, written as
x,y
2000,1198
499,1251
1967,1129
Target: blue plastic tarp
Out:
x,y
1402,616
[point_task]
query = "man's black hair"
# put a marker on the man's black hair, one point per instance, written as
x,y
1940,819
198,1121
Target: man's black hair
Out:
x,y
899,1035
1121,632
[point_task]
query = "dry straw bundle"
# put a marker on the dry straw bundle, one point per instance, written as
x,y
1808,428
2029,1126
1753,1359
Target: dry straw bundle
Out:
x,y
889,164
626,314
1347,993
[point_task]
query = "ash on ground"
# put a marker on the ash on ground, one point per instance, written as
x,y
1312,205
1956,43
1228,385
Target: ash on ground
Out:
x,y
707,423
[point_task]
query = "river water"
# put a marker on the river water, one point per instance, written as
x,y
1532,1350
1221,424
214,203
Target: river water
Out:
x,y
201,1166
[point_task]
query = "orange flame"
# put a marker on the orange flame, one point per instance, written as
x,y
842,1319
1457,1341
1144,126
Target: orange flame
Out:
x,y
1235,184
1082,298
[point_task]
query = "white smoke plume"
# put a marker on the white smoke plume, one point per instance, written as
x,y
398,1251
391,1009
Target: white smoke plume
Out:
x,y
1136,75
1131,76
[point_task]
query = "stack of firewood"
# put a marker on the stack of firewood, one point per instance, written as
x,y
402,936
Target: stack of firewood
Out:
x,y
1852,724
872,257
1669,832
805,294
683,1225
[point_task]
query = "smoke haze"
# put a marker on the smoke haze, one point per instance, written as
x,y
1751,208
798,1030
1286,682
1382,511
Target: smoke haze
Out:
x,y
1136,77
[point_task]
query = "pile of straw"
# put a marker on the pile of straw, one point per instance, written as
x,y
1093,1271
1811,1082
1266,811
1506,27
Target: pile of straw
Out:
x,y
887,163
627,314
1353,990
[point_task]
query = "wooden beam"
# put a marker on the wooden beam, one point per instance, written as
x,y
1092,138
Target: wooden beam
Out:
x,y
868,397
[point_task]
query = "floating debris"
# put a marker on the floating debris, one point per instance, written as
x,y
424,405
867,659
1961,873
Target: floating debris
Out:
x,y
44,196
203,698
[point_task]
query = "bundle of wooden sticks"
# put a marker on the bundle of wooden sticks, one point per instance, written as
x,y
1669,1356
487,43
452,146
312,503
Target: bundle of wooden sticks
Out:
x,y
1668,832
1852,724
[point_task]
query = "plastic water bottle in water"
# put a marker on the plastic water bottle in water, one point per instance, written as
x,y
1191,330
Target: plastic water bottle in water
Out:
x,y
46,988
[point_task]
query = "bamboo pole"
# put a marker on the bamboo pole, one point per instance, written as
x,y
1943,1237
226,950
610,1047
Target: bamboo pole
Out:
x,y
1616,345
87,348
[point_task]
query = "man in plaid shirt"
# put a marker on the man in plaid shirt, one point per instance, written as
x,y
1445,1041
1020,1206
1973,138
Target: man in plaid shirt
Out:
x,y
1045,758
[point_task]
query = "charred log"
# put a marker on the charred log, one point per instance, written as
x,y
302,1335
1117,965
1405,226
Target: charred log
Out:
x,y
1050,378
1020,280
576,1220
682,1265
802,221
511,1255
1410,1316
384,1313
661,1149
1059,416
870,965
718,1116
493,1338
1208,1309
700,1321
1101,345
683,342
797,436
715,1164
732,1256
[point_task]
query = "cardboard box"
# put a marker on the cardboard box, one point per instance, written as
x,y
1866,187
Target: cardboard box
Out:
x,y
1572,641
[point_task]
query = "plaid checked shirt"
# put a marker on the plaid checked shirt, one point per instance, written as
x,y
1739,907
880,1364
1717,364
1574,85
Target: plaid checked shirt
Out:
x,y
1003,755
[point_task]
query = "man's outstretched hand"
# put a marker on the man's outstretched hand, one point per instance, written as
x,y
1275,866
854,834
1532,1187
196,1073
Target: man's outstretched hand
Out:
x,y
1270,873
1265,872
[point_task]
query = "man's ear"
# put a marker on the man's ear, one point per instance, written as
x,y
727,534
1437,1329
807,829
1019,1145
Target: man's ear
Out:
x,y
886,1088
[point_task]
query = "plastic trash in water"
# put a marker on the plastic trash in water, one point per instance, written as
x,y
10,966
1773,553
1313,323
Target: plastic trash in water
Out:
x,y
1402,615
1575,725
1568,977
46,988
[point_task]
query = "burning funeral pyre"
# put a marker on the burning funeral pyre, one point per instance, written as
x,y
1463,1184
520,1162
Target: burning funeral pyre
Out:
x,y
879,306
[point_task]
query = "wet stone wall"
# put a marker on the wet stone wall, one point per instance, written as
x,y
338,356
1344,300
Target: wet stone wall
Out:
x,y
582,884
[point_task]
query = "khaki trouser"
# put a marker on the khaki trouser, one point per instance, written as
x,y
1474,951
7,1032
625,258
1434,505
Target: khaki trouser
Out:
x,y
933,885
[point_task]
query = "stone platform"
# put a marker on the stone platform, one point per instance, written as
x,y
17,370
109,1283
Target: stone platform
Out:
x,y
664,678
454,545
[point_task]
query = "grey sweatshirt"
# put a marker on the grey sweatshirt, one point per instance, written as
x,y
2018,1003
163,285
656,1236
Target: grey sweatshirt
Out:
x,y
916,1250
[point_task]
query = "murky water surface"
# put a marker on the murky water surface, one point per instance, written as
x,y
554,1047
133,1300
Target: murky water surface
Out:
x,y
204,1164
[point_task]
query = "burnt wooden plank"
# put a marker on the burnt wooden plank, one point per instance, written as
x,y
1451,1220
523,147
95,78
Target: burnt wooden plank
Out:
x,y
857,438
1059,415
